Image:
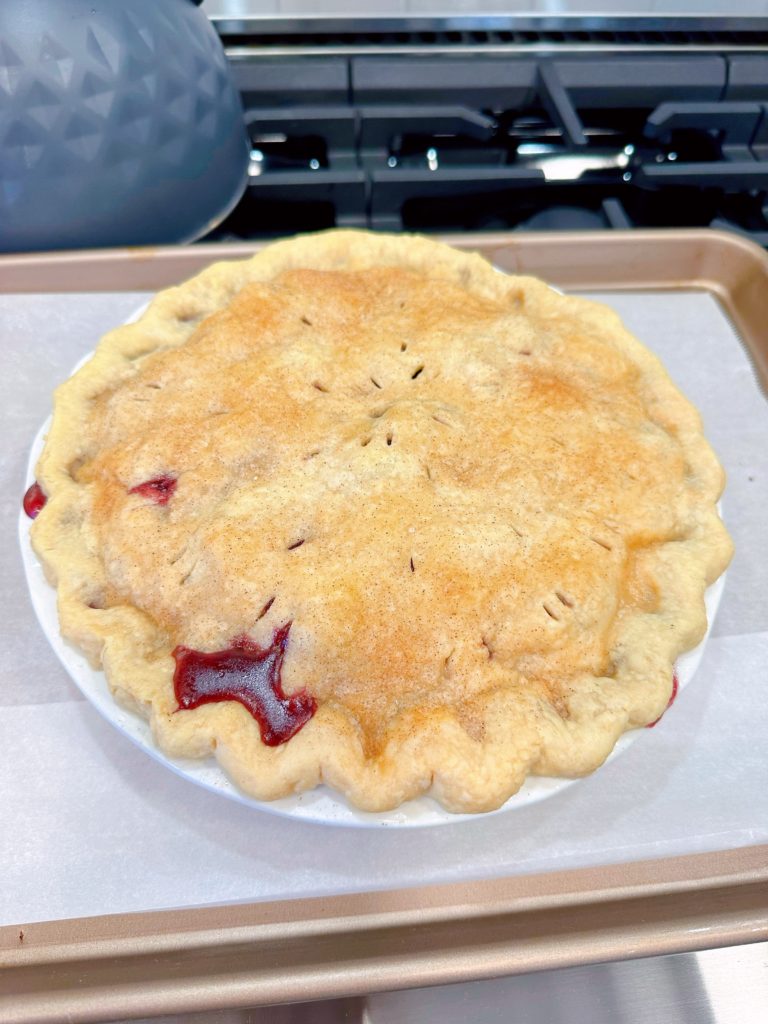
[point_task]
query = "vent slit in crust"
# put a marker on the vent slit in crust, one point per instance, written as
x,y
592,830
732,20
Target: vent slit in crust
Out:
x,y
266,608
550,612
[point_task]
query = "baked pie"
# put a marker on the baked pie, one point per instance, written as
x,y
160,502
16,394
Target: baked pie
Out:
x,y
361,510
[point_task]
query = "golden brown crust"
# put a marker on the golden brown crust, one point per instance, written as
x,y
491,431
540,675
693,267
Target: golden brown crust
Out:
x,y
506,509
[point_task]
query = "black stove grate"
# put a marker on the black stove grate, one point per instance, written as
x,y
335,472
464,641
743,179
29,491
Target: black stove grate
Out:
x,y
492,143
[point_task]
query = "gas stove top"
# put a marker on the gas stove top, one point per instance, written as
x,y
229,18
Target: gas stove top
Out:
x,y
528,126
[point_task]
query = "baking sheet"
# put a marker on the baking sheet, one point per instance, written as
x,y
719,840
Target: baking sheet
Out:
x,y
97,827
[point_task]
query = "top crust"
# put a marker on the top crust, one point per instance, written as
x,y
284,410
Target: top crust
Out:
x,y
506,513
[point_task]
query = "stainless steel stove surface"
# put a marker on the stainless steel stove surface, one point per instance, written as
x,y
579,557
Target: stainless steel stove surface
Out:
x,y
498,122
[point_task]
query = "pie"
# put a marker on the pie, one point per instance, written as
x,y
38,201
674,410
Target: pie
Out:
x,y
361,510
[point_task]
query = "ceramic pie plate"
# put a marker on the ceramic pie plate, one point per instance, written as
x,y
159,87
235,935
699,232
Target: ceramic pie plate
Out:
x,y
320,805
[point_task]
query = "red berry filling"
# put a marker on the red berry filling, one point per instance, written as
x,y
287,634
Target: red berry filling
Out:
x,y
249,674
34,500
671,701
158,490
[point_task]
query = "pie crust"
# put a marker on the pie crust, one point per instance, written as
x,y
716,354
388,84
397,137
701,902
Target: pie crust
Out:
x,y
484,508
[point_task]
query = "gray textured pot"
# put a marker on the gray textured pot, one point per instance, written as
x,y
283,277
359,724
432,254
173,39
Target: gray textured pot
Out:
x,y
119,124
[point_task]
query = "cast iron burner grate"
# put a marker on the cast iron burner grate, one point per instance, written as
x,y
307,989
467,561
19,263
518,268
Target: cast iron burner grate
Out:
x,y
491,143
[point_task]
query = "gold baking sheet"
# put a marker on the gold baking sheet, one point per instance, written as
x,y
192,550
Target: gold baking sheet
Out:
x,y
307,949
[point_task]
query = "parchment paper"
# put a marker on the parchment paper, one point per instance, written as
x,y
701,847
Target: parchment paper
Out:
x,y
90,825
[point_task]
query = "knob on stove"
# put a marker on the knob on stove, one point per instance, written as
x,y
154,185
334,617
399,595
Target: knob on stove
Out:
x,y
119,124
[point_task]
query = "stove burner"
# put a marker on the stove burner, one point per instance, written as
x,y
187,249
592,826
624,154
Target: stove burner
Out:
x,y
483,143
